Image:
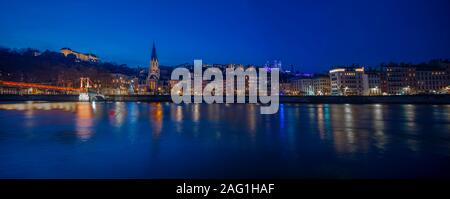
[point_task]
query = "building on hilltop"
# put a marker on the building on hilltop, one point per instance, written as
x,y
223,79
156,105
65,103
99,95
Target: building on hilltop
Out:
x,y
80,56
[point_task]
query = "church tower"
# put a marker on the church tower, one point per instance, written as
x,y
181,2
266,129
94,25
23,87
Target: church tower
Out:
x,y
153,71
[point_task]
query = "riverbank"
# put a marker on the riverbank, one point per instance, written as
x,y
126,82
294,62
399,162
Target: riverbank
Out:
x,y
401,99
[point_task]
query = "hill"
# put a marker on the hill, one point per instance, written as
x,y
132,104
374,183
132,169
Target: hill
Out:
x,y
29,65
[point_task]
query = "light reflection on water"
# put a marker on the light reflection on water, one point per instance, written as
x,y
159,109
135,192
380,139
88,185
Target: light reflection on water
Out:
x,y
84,121
154,140
156,119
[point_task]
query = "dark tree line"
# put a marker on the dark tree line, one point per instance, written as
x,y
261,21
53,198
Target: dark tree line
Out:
x,y
29,65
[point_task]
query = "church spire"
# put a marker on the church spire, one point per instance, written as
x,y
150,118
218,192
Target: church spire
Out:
x,y
154,57
153,70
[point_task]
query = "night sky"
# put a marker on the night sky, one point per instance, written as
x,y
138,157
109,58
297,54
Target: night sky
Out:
x,y
312,35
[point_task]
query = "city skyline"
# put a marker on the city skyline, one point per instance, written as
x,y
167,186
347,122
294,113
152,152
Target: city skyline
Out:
x,y
311,36
225,98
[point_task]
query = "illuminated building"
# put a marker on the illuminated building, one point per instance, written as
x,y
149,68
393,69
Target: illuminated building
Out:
x,y
286,88
311,85
374,82
407,79
349,81
302,86
321,85
79,56
432,80
398,80
153,72
120,84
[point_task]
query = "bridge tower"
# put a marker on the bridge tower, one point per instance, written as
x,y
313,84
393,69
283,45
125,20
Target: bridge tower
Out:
x,y
85,95
85,84
84,89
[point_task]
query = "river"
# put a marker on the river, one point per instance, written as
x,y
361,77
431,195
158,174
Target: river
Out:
x,y
164,140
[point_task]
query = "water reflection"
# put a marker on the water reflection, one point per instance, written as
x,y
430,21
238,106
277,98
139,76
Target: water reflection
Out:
x,y
410,115
195,112
320,121
176,116
133,108
156,119
214,112
410,126
29,106
349,121
378,126
327,121
251,119
117,114
281,115
296,136
84,122
340,140
352,127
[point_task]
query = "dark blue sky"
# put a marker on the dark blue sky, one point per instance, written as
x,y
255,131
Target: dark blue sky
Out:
x,y
312,35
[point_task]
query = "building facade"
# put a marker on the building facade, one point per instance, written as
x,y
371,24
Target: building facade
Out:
x,y
348,81
398,80
414,79
374,83
431,80
313,85
322,85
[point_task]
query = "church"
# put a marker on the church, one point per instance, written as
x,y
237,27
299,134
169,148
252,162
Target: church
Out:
x,y
153,72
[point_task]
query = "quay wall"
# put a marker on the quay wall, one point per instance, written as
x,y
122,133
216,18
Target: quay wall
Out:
x,y
51,98
401,99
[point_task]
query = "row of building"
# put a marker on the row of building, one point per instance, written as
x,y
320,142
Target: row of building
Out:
x,y
390,79
342,81
387,80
